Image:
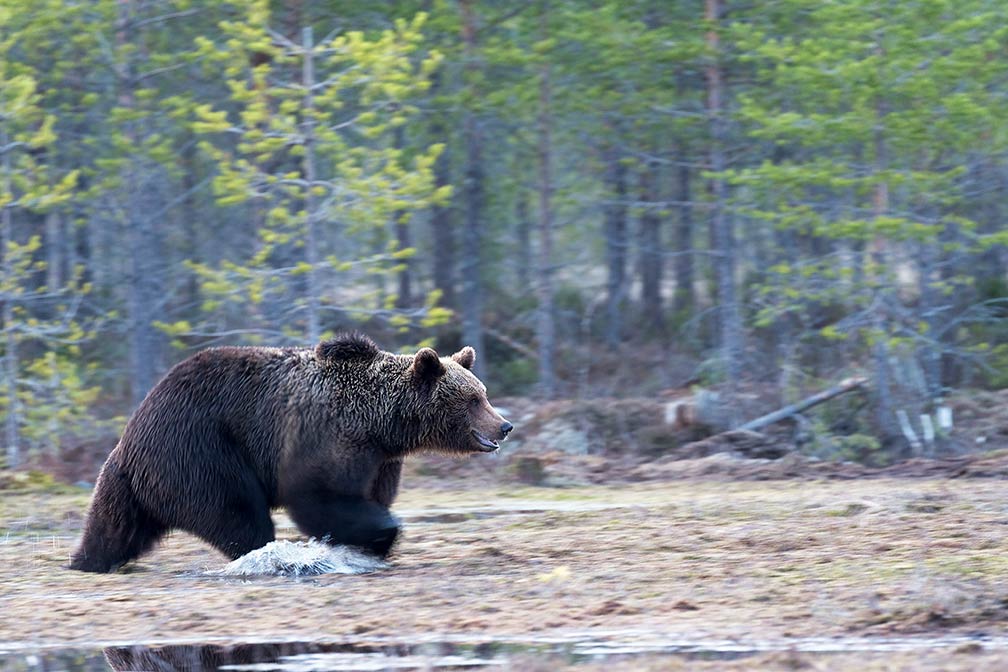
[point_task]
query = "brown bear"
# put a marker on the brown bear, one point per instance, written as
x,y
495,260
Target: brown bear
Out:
x,y
233,432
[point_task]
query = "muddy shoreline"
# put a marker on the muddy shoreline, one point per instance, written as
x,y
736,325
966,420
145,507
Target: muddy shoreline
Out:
x,y
766,567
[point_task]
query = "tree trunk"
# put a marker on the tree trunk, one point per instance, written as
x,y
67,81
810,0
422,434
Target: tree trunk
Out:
x,y
308,167
884,408
99,247
474,201
651,253
13,415
523,233
721,225
931,313
545,328
190,227
54,250
404,241
144,253
786,327
988,266
13,410
82,249
684,298
616,245
442,216
144,287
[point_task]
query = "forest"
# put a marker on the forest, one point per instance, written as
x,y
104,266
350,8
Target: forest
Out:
x,y
606,199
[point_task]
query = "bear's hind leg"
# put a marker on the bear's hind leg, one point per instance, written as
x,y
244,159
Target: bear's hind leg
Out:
x,y
246,535
239,521
117,529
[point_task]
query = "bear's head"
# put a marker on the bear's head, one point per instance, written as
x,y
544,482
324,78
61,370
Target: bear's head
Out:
x,y
460,419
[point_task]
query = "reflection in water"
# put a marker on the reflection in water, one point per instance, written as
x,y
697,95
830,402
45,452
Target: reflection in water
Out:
x,y
202,656
77,661
460,652
298,657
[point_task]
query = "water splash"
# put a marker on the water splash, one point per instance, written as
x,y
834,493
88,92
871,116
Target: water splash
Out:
x,y
300,558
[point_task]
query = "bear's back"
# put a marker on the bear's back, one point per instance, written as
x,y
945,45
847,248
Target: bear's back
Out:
x,y
227,400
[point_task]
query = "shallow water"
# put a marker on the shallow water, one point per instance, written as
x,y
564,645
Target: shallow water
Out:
x,y
455,653
312,558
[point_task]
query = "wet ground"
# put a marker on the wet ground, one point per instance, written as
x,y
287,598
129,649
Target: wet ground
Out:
x,y
794,574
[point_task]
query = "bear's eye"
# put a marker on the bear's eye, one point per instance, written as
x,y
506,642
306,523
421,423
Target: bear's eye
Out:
x,y
474,402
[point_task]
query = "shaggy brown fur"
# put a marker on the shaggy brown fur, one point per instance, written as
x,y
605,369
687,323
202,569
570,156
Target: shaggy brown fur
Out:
x,y
232,432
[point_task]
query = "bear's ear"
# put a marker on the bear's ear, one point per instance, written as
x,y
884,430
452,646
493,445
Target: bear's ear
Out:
x,y
347,347
466,357
426,366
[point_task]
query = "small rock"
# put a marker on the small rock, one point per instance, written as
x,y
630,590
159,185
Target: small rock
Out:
x,y
683,605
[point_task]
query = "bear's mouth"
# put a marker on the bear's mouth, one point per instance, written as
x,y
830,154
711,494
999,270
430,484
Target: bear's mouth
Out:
x,y
486,445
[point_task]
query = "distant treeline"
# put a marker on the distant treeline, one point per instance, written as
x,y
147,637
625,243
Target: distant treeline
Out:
x,y
604,198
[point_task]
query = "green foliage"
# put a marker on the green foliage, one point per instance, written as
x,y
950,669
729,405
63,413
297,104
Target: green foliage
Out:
x,y
34,316
869,115
57,401
25,128
513,376
315,156
997,366
861,448
28,481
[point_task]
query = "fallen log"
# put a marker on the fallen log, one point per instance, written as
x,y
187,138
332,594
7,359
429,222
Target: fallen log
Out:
x,y
842,387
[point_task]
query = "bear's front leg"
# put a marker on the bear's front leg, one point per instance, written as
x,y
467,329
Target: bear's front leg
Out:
x,y
329,504
386,483
342,519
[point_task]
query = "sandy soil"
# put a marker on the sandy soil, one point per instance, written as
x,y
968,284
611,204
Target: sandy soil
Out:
x,y
764,564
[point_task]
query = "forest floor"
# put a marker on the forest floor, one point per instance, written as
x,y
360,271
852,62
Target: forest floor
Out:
x,y
697,573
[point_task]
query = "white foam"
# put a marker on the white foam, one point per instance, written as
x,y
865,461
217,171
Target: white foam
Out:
x,y
300,558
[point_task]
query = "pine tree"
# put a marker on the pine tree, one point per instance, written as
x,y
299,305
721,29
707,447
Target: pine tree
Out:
x,y
32,313
869,113
308,141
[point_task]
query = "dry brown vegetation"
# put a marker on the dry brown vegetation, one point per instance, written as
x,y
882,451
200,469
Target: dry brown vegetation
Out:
x,y
692,560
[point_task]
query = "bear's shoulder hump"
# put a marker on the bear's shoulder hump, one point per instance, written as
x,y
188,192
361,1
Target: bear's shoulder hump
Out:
x,y
347,347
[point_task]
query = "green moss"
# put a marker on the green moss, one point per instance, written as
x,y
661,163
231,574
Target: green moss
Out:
x,y
849,510
13,482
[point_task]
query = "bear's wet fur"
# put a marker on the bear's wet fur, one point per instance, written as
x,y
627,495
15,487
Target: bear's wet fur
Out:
x,y
233,432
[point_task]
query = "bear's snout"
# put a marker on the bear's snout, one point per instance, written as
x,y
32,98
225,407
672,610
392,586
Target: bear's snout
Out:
x,y
505,429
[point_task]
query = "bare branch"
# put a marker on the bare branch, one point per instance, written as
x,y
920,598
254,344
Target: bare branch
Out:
x,y
159,71
165,17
